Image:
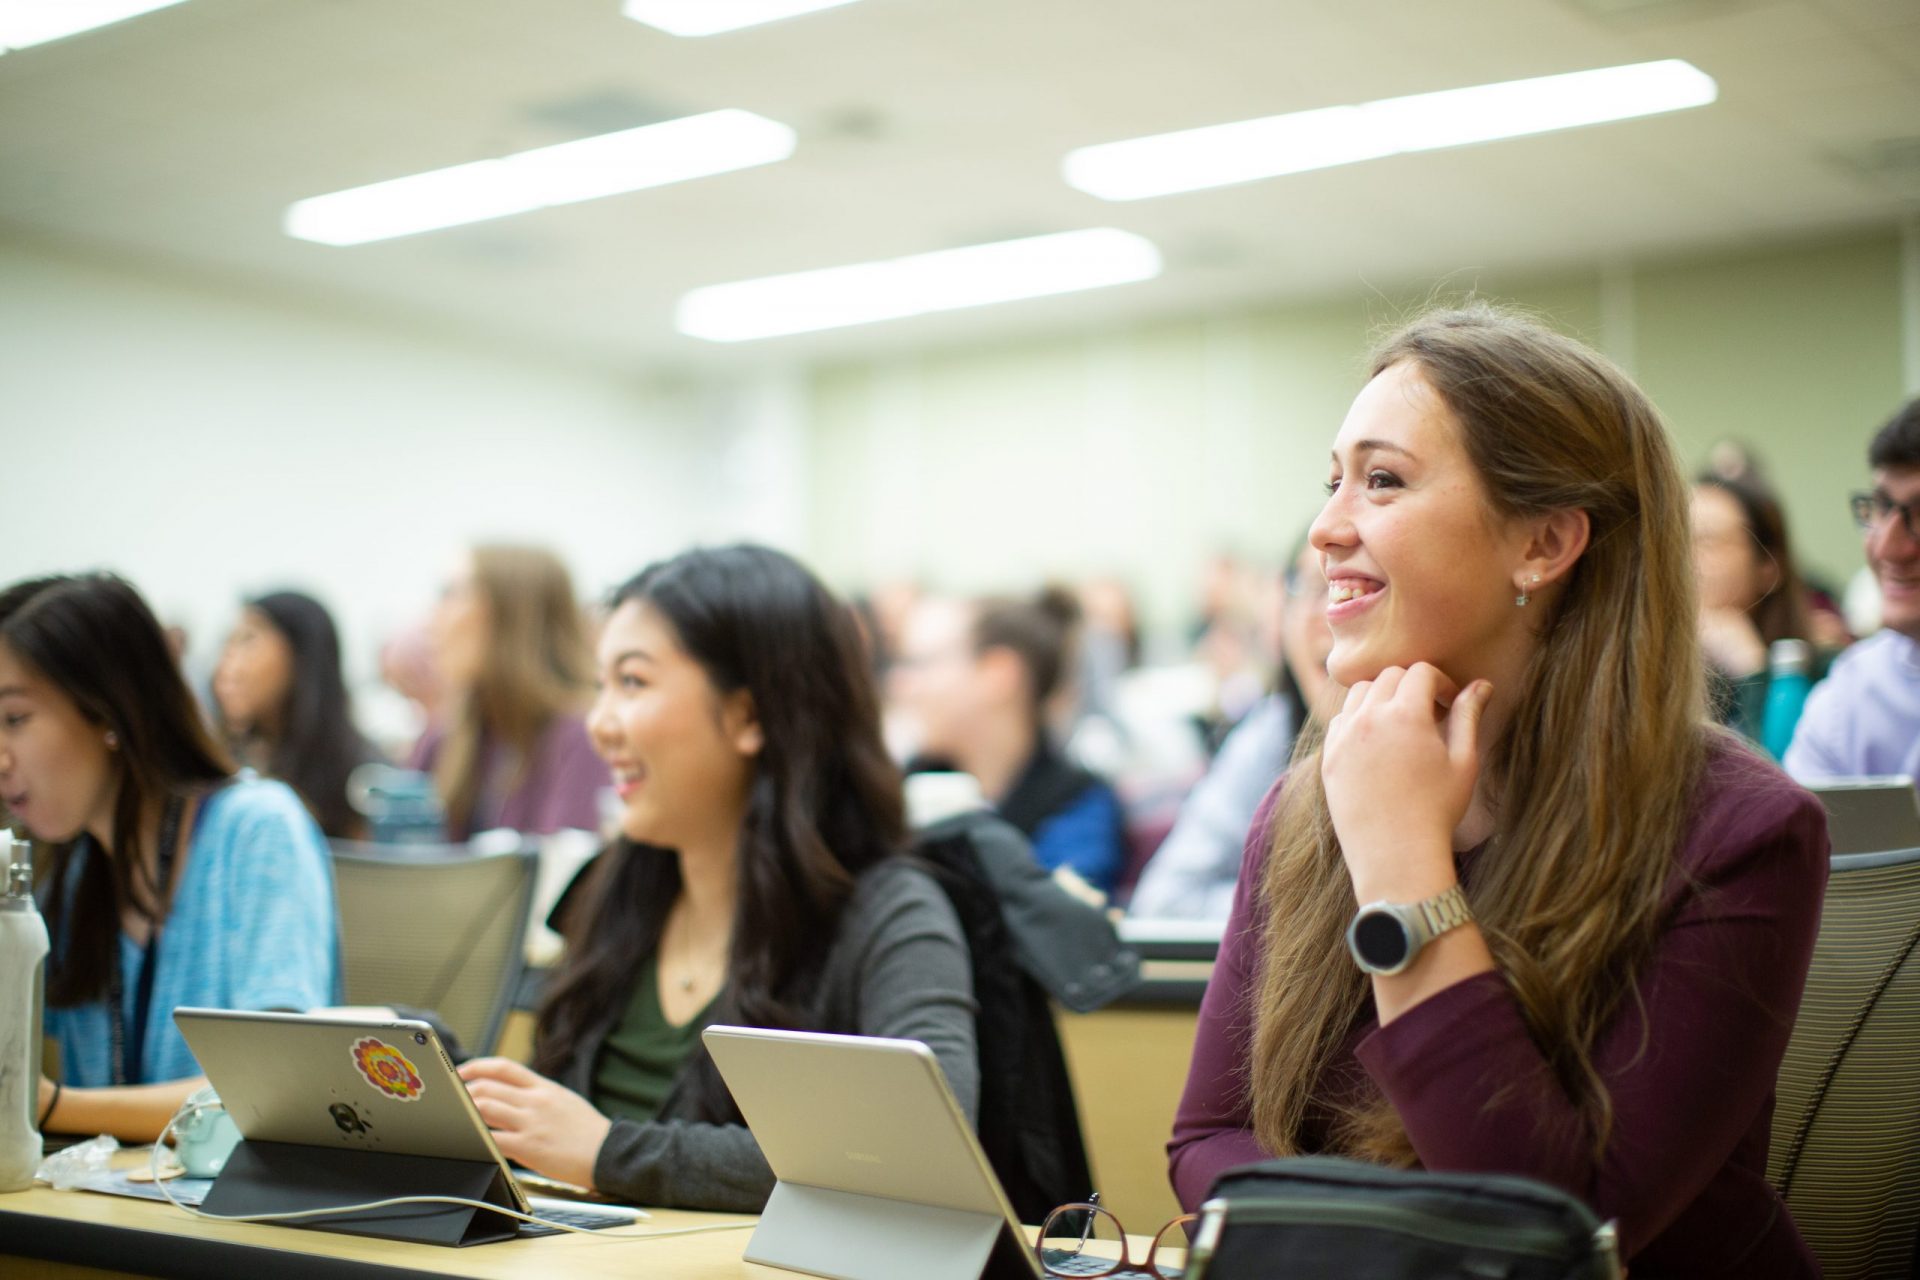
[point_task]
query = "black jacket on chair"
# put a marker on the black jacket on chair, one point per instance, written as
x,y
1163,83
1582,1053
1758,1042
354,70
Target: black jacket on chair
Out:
x,y
1032,942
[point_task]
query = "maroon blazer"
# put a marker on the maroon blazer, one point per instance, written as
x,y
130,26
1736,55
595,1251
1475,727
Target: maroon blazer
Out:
x,y
1690,1066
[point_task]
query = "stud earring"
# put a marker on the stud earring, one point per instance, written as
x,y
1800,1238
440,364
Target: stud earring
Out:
x,y
113,740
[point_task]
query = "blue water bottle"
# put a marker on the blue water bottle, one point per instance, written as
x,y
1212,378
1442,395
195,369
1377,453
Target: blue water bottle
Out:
x,y
1789,678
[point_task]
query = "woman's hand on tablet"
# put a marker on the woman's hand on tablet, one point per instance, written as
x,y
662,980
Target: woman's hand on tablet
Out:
x,y
1399,765
543,1125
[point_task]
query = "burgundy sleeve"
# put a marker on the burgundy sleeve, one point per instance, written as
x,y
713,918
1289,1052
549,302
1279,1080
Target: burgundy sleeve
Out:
x,y
1212,1129
1688,1065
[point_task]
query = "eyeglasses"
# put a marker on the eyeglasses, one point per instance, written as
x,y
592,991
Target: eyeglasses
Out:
x,y
1068,1230
1870,511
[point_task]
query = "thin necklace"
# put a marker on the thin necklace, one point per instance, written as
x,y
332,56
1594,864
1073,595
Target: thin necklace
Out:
x,y
685,981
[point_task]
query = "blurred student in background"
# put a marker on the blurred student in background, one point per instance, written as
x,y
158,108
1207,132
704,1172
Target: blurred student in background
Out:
x,y
1750,599
1828,628
1109,646
977,678
1193,873
170,881
282,705
510,650
1864,718
756,881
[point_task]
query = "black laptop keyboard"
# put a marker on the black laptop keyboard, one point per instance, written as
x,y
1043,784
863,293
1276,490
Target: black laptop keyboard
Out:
x,y
1063,1262
586,1218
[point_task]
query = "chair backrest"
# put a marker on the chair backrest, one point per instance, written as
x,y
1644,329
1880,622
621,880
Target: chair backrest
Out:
x,y
435,927
1846,1124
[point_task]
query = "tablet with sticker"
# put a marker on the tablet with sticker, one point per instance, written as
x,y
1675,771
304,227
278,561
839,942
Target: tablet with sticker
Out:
x,y
365,1084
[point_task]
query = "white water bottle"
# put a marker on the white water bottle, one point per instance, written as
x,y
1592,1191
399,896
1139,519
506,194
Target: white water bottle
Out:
x,y
23,956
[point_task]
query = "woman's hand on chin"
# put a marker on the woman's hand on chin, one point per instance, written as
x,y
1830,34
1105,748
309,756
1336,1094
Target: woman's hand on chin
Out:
x,y
543,1125
1400,762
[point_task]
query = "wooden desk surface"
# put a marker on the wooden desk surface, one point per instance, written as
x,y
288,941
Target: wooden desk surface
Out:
x,y
81,1233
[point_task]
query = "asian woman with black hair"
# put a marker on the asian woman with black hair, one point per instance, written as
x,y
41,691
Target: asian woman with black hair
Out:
x,y
171,881
757,880
284,709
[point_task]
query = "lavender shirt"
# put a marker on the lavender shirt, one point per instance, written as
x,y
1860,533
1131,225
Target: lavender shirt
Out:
x,y
1684,1170
560,788
1864,718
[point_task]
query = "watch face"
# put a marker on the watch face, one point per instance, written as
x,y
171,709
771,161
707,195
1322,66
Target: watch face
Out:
x,y
1380,940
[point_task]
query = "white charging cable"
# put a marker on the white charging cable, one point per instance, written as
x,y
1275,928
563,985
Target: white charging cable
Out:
x,y
191,1108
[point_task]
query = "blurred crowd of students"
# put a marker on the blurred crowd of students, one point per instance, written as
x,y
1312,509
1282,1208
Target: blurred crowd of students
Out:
x,y
1139,777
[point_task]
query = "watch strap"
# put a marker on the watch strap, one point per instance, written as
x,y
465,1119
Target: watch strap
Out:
x,y
1442,912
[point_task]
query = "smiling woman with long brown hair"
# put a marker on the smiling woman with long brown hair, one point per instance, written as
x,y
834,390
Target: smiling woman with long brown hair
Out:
x,y
1580,915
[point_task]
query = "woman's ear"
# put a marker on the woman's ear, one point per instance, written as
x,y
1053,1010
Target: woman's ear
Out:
x,y
1556,542
740,724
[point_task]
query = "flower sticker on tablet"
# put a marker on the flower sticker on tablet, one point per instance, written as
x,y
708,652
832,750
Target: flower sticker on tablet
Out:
x,y
387,1069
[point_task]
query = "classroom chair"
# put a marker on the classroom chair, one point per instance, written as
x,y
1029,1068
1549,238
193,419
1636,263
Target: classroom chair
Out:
x,y
437,927
1846,1123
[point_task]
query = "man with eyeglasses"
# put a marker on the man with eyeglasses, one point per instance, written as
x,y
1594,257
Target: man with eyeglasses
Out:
x,y
1864,718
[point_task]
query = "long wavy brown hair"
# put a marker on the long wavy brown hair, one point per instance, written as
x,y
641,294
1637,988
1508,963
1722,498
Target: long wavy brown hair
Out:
x,y
537,666
1591,781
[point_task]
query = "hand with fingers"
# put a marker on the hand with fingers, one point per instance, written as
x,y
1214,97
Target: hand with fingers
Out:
x,y
537,1123
1732,642
1399,764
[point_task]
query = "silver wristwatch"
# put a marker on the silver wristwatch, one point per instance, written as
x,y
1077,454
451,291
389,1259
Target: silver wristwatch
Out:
x,y
1386,937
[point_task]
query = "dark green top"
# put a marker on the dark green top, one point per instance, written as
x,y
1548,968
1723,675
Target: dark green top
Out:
x,y
642,1055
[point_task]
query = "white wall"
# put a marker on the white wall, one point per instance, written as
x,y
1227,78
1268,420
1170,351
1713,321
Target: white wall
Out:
x,y
209,444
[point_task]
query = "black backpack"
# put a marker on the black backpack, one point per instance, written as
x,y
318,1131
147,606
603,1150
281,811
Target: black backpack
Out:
x,y
1030,940
1326,1218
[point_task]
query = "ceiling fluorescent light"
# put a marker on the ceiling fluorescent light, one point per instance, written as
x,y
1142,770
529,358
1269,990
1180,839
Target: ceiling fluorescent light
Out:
x,y
631,160
1219,155
711,17
927,282
25,23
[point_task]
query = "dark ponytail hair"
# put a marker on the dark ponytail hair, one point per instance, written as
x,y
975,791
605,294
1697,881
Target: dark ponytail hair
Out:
x,y
96,639
1040,631
317,746
824,805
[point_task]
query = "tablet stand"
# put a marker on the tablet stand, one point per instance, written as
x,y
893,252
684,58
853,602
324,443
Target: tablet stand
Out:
x,y
847,1236
284,1177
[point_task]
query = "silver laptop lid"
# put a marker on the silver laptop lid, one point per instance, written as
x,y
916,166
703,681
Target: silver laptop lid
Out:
x,y
323,1081
858,1114
1871,814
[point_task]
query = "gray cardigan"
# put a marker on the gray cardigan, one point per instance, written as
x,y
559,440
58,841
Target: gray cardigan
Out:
x,y
899,966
